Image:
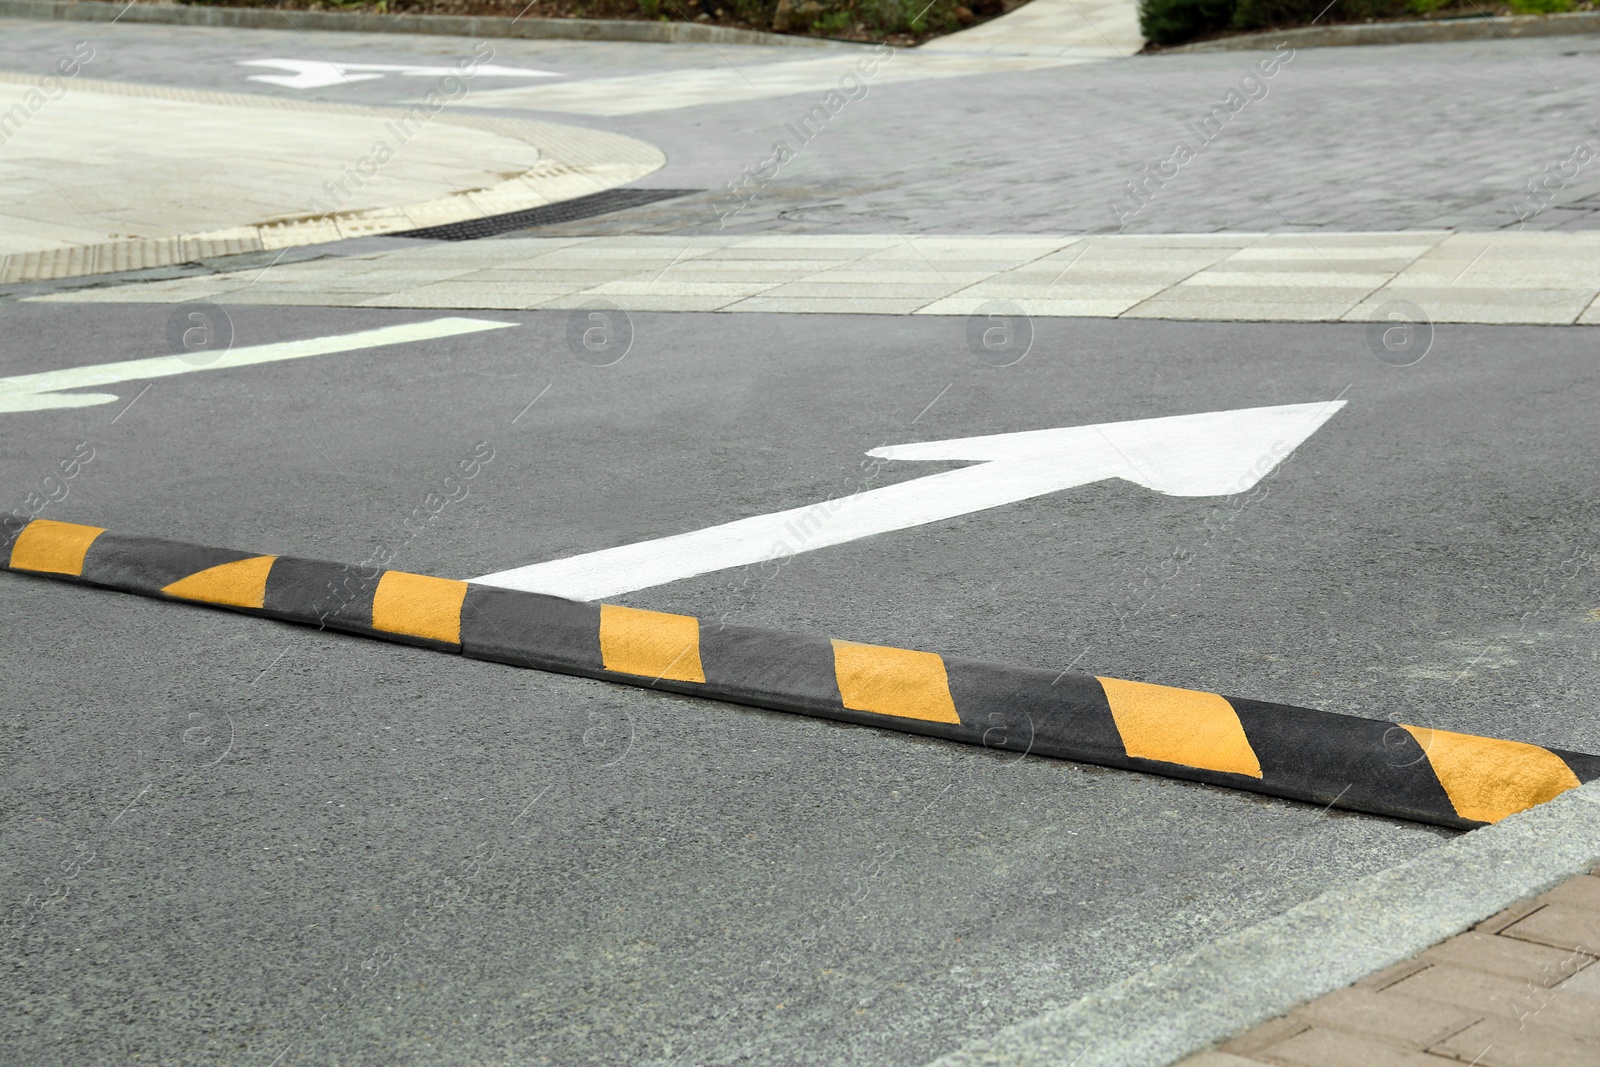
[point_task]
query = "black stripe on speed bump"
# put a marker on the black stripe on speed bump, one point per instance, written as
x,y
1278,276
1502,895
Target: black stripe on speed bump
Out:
x,y
1022,709
324,594
530,630
1324,758
745,663
1584,766
149,564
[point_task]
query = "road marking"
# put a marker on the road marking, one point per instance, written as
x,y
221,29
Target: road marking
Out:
x,y
1214,453
42,392
319,73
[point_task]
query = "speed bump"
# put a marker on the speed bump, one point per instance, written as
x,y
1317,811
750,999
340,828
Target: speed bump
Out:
x,y
1372,765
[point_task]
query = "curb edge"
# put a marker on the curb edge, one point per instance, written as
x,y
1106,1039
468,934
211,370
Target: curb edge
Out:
x,y
1374,33
251,18
1177,1009
573,161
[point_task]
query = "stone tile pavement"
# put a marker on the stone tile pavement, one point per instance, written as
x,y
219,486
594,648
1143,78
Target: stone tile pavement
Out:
x,y
1543,278
1519,990
1444,136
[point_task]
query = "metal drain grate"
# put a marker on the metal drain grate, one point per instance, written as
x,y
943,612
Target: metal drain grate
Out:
x,y
583,207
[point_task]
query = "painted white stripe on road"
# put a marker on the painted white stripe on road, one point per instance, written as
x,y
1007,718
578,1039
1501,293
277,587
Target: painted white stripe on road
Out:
x,y
321,73
1214,453
41,392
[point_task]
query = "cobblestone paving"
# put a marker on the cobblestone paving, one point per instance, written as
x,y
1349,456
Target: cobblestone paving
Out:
x,y
1381,138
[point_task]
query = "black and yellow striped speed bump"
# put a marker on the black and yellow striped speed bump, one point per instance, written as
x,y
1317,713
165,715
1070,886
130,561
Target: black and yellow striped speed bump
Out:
x,y
1371,765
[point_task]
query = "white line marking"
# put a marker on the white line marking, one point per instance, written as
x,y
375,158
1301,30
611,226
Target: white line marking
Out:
x,y
1214,453
148,386
532,402
932,402
319,73
131,803
41,392
532,802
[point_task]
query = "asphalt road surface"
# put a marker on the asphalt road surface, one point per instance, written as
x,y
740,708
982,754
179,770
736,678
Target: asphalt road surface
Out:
x,y
406,855
231,841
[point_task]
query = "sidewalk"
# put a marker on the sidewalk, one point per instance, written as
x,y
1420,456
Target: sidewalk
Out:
x,y
162,175
1549,278
1108,28
1519,990
1039,35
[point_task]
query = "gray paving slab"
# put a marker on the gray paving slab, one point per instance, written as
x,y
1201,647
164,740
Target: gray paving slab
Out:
x,y
403,855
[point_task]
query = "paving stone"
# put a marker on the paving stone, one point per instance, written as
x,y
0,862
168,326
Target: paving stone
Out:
x,y
1560,926
1333,1048
1267,1034
1390,975
1213,1058
1506,997
1505,1043
1502,919
1586,982
1577,893
1509,957
1387,1015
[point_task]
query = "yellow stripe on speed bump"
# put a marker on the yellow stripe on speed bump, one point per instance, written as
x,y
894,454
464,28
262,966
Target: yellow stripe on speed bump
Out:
x,y
653,644
894,681
1183,726
240,584
52,547
419,605
1488,779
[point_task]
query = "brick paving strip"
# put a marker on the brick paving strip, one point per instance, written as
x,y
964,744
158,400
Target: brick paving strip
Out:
x,y
1518,990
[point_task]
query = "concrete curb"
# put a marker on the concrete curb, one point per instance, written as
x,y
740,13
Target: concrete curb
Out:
x,y
1177,1009
1367,765
1421,32
573,162
443,25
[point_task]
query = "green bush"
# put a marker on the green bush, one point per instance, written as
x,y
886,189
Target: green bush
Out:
x,y
836,17
1270,14
1176,21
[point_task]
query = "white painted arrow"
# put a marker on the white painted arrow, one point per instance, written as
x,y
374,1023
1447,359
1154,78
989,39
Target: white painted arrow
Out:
x,y
1213,453
319,73
43,391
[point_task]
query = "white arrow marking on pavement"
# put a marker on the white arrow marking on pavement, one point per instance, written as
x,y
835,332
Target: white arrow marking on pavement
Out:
x,y
1213,453
317,73
40,392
